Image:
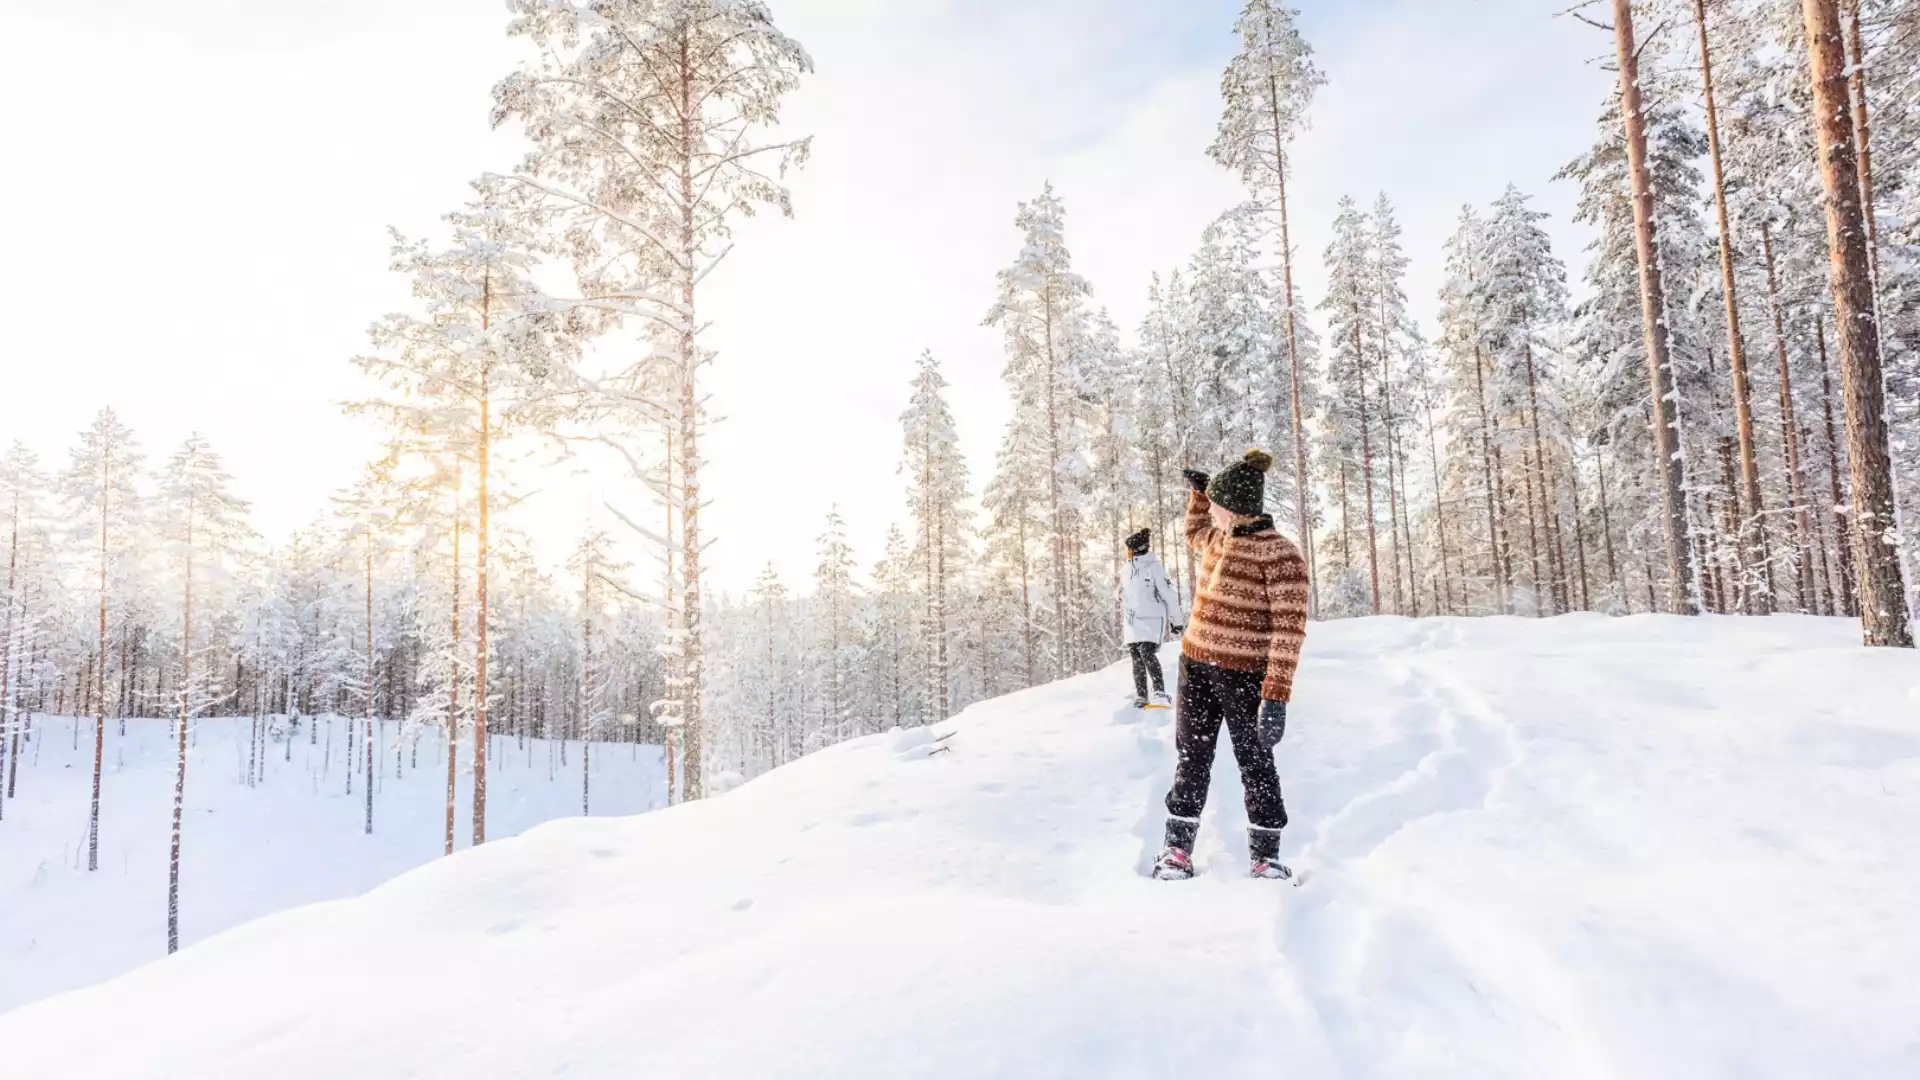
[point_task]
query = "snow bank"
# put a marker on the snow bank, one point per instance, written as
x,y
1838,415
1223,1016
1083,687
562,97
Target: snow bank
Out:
x,y
1642,847
296,838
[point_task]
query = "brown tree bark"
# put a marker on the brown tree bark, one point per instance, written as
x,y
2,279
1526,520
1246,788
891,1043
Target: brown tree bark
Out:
x,y
1845,595
1653,303
1790,435
1883,601
1863,130
1752,515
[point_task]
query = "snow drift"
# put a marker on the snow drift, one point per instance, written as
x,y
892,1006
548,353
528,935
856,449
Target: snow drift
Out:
x,y
1643,847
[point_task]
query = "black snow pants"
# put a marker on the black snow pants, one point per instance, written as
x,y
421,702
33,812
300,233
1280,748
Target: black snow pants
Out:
x,y
1209,697
1146,665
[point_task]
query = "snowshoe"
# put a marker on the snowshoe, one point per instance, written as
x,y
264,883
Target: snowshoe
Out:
x,y
1270,869
1159,702
1174,864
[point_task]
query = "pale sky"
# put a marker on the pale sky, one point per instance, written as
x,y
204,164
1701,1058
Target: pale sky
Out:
x,y
197,195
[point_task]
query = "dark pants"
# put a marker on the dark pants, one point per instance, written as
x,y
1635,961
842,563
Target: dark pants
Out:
x,y
1146,665
1209,697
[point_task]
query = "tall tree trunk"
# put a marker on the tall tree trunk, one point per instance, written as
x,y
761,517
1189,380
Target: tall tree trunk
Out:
x,y
669,669
1883,600
1731,525
480,610
180,742
1303,511
1753,514
1540,598
9,689
1863,131
1790,436
1366,465
1056,509
1386,424
100,672
453,674
1579,533
586,687
1497,563
370,676
1606,529
1445,605
1653,304
1845,594
1539,467
692,653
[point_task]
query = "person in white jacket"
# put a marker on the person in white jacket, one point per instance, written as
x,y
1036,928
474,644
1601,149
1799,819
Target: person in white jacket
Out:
x,y
1150,610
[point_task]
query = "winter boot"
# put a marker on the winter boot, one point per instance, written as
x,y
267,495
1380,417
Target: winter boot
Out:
x,y
1264,846
1174,864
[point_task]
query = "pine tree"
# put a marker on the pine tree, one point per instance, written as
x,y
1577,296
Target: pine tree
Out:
x,y
205,522
483,358
643,116
1883,598
835,600
23,492
1350,417
937,494
1267,89
1682,586
1040,309
104,504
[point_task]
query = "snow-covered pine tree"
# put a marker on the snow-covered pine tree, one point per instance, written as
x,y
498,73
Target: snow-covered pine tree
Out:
x,y
595,564
1267,88
105,511
1883,599
368,511
937,497
644,117
1350,420
1395,335
23,494
1683,594
835,662
205,524
1610,343
485,356
1522,294
1041,311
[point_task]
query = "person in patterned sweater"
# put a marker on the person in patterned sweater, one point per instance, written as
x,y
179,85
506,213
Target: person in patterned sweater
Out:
x,y
1237,660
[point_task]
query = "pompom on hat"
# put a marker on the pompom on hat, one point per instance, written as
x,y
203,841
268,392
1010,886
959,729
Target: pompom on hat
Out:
x,y
1241,488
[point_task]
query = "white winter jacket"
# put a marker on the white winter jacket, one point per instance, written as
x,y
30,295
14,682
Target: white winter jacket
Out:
x,y
1150,607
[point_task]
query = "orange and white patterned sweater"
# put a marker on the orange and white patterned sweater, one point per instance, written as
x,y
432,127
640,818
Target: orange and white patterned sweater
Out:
x,y
1250,609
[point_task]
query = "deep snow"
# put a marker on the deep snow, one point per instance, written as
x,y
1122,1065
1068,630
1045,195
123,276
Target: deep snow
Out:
x,y
294,839
1644,847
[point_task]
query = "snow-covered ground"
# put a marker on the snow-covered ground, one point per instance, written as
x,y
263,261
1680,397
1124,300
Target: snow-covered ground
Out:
x,y
1635,848
295,838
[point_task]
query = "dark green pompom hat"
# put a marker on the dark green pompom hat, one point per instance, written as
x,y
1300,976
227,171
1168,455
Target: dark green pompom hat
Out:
x,y
1242,486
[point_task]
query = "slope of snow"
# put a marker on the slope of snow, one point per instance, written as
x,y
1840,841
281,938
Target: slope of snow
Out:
x,y
296,838
1583,848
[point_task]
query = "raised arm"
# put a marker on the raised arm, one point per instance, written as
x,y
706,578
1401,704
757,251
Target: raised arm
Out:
x,y
1199,524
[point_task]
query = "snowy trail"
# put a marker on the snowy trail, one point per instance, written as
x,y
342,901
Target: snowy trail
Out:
x,y
1581,848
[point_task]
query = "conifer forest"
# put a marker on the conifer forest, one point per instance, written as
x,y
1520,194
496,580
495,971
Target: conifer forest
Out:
x,y
1712,410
